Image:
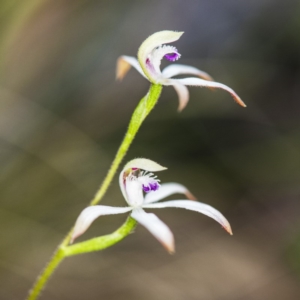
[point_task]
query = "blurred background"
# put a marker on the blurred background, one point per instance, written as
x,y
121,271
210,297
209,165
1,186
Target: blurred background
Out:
x,y
62,118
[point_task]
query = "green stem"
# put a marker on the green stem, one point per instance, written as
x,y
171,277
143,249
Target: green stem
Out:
x,y
91,245
45,275
102,242
141,112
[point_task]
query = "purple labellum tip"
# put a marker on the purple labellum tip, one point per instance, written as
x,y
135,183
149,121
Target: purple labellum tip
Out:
x,y
151,187
134,169
154,186
172,56
146,189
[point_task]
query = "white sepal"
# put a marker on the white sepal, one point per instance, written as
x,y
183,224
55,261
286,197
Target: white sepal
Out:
x,y
183,95
211,84
195,206
89,214
124,63
178,69
158,228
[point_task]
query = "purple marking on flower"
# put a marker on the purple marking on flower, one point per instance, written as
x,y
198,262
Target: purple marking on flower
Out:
x,y
149,65
134,169
154,186
172,56
146,189
151,187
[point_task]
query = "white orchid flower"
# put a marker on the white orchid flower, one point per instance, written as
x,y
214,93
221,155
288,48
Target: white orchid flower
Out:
x,y
150,54
134,182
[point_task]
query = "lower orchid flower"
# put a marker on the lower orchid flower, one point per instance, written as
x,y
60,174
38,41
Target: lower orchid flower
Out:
x,y
150,54
134,181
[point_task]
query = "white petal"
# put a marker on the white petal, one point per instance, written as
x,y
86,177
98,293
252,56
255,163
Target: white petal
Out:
x,y
211,84
124,64
158,228
89,214
138,163
153,41
183,95
195,206
178,69
166,190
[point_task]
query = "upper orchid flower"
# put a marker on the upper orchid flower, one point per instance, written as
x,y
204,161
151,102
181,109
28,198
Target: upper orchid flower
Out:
x,y
150,54
134,180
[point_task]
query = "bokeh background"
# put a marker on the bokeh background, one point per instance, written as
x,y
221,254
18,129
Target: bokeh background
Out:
x,y
63,115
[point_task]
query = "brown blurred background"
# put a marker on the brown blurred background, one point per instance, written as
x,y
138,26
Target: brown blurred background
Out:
x,y
63,115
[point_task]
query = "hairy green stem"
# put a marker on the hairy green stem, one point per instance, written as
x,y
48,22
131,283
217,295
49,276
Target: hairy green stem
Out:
x,y
144,107
45,275
102,242
141,112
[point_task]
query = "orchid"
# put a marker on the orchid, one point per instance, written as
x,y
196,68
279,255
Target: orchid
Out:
x,y
150,54
135,180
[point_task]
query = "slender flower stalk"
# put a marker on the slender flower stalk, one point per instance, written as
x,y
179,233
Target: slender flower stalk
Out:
x,y
47,272
102,242
92,245
141,112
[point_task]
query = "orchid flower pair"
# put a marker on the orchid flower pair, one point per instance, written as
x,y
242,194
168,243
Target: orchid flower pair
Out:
x,y
140,188
150,54
135,180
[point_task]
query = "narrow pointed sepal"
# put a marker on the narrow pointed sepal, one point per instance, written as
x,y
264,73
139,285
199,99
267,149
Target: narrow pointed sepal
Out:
x,y
183,95
157,227
124,63
90,214
122,68
211,84
195,206
179,69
